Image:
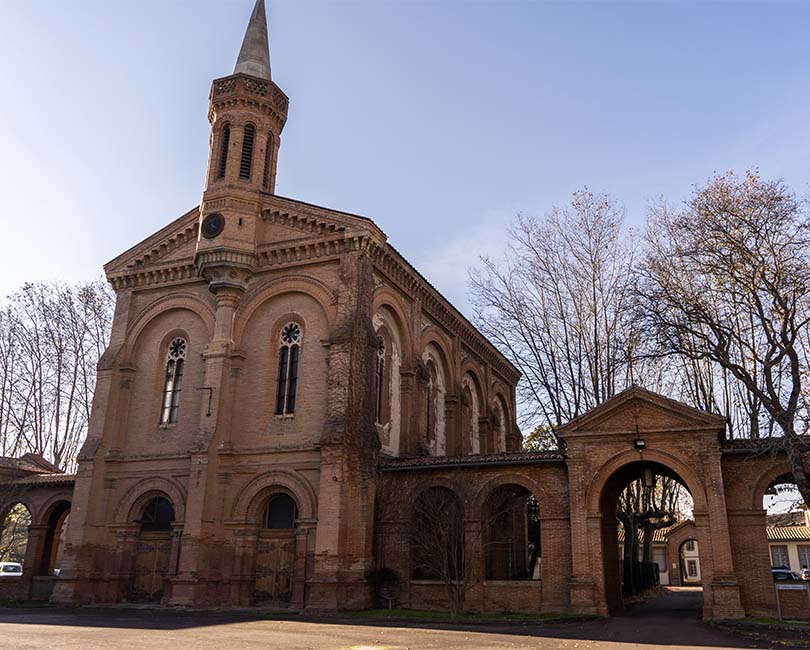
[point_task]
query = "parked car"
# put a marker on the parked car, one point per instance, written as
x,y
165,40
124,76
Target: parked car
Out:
x,y
10,569
780,574
805,574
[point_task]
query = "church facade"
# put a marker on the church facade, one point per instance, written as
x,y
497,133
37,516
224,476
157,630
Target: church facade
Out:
x,y
265,354
283,394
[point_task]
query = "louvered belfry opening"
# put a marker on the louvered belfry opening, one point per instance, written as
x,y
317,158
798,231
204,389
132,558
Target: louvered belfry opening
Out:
x,y
223,152
247,152
267,150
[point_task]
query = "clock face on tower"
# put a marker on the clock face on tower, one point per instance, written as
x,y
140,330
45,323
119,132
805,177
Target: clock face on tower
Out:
x,y
212,225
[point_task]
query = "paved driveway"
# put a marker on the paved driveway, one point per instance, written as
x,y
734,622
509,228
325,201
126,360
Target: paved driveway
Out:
x,y
673,624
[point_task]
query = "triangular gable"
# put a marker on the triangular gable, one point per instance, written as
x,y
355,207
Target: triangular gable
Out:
x,y
637,410
174,242
283,221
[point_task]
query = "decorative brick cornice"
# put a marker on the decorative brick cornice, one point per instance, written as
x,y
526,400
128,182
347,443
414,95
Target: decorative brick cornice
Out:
x,y
399,271
304,223
242,89
182,271
301,252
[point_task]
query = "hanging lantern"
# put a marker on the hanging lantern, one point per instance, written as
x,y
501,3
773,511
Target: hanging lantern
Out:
x,y
648,477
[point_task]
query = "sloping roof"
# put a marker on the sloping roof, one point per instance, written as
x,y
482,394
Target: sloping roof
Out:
x,y
46,479
762,445
29,463
788,533
514,458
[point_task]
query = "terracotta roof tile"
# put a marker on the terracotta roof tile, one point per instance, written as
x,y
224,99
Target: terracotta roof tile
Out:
x,y
788,533
511,458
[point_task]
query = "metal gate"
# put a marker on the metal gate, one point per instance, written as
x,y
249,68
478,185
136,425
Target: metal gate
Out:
x,y
275,567
151,565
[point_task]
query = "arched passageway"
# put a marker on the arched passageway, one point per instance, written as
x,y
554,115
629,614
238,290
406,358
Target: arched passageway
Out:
x,y
14,523
689,562
641,497
57,522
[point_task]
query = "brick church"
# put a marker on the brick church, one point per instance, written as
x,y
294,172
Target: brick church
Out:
x,y
282,389
266,353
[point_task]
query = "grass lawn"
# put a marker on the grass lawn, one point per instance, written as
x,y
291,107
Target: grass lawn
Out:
x,y
788,632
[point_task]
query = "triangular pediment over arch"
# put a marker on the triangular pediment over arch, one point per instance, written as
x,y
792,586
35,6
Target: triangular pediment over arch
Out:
x,y
639,411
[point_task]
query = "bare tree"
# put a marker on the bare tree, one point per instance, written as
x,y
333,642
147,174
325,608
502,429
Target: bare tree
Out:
x,y
724,282
436,536
51,336
556,305
14,534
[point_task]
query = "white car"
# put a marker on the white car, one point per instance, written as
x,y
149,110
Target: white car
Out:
x,y
10,570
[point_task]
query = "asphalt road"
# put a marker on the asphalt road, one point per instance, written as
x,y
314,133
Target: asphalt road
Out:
x,y
672,622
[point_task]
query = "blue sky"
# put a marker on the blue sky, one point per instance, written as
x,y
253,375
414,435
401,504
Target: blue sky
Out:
x,y
440,120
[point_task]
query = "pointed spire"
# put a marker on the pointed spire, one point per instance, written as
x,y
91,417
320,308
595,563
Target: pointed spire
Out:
x,y
254,57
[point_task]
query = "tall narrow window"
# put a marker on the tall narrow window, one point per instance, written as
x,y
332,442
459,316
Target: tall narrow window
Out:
x,y
268,150
380,379
288,356
173,384
223,152
779,557
247,152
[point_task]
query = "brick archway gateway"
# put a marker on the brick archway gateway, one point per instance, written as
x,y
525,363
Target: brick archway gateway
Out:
x,y
606,449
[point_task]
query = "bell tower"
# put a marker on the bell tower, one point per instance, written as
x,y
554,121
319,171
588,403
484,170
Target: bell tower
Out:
x,y
247,112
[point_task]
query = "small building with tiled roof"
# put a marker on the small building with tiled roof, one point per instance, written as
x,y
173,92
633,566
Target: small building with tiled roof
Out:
x,y
789,540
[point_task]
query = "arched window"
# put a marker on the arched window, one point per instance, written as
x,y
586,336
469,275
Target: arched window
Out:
x,y
437,536
432,387
268,150
246,163
288,356
173,384
223,151
158,515
470,415
435,440
500,424
512,529
380,379
280,512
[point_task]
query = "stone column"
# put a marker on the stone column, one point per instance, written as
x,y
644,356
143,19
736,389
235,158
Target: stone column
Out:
x,y
474,569
555,559
723,585
300,576
585,543
34,550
